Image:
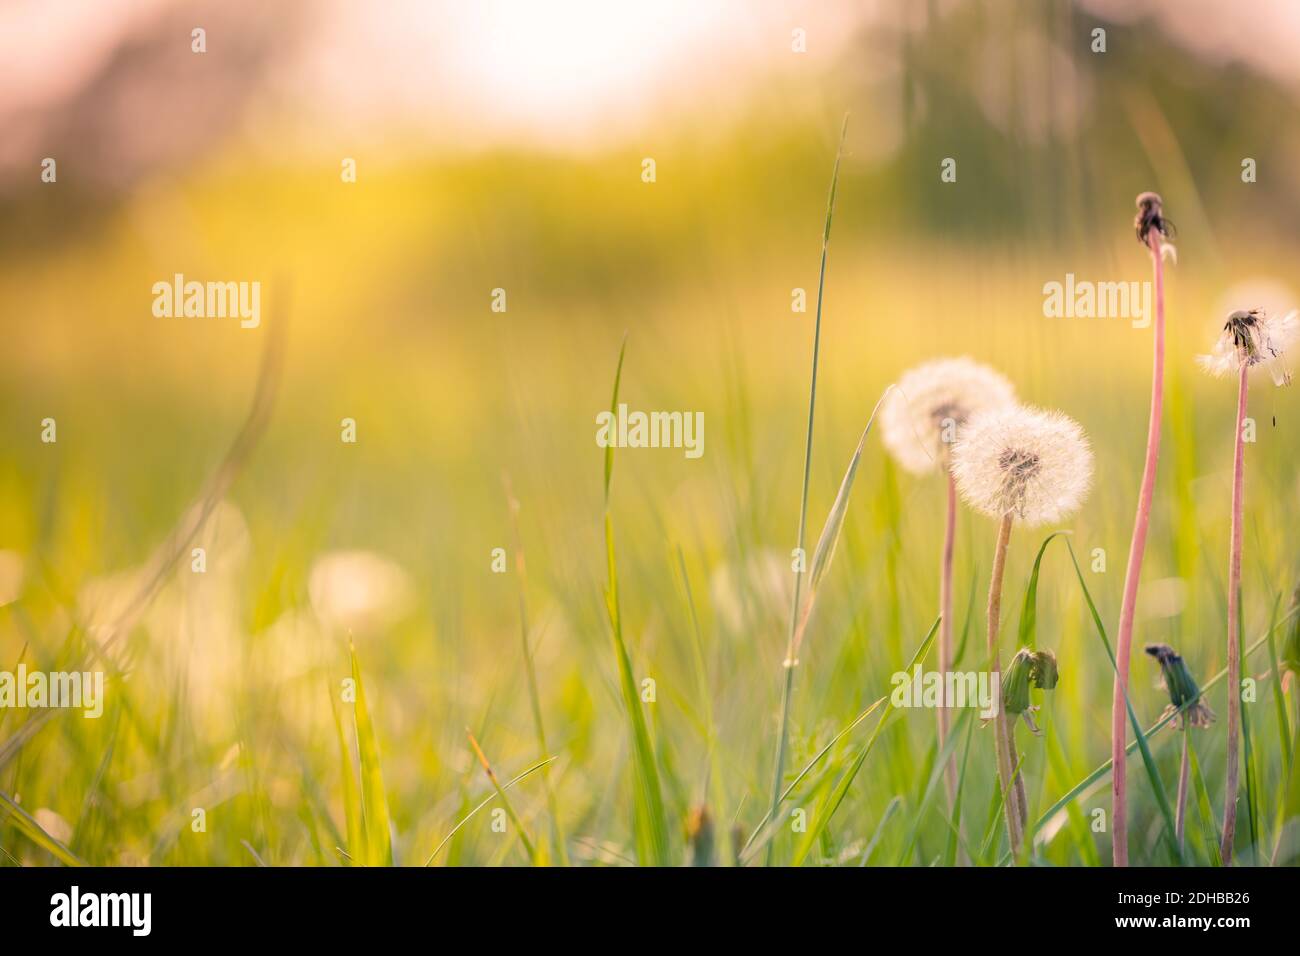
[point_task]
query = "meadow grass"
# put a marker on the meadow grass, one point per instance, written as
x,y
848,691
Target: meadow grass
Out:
x,y
224,690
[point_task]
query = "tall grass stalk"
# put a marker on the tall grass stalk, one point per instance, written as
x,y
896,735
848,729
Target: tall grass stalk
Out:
x,y
789,663
1234,637
1137,548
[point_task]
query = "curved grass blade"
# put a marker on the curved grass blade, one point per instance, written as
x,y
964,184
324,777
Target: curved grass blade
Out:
x,y
29,828
823,815
1209,826
1028,632
949,748
529,847
490,797
356,849
650,824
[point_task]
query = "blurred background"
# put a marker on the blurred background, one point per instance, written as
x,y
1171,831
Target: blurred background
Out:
x,y
501,145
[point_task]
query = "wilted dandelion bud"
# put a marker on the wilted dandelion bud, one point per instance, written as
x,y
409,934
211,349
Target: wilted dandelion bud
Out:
x,y
1250,337
932,402
1184,693
1151,215
1028,667
1023,461
699,834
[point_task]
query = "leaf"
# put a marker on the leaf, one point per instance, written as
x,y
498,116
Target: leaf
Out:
x,y
37,834
650,824
1157,786
824,814
1029,611
351,794
492,796
613,411
830,535
374,802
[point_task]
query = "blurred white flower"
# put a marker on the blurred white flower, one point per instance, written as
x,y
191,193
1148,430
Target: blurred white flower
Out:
x,y
1024,461
54,825
11,577
358,591
753,592
1252,338
926,412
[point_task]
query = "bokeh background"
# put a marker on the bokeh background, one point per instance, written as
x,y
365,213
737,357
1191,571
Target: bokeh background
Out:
x,y
500,145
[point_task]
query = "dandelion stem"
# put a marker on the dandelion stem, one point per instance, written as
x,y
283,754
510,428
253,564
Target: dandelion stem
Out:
x,y
945,630
1137,547
791,643
1234,603
1001,735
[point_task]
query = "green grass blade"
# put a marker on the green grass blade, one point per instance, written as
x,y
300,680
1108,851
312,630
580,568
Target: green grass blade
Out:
x,y
352,815
29,828
613,411
529,847
492,796
954,825
936,774
1205,810
823,815
1028,633
650,823
1100,773
1157,785
374,801
787,687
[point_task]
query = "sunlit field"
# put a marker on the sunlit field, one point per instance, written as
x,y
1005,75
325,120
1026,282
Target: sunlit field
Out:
x,y
353,674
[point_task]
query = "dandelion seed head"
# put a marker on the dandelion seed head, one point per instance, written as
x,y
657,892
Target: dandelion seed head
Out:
x,y
927,411
1024,461
1253,338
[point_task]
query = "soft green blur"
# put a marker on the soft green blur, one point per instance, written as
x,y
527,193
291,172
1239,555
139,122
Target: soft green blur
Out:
x,y
220,698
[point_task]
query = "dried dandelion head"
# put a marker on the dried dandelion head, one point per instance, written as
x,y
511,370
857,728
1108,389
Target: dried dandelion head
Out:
x,y
1024,461
1151,215
931,405
1251,337
1184,694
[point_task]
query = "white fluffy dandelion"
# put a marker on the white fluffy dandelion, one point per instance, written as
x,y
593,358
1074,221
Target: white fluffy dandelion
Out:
x,y
1251,338
1033,464
921,420
1026,464
925,413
